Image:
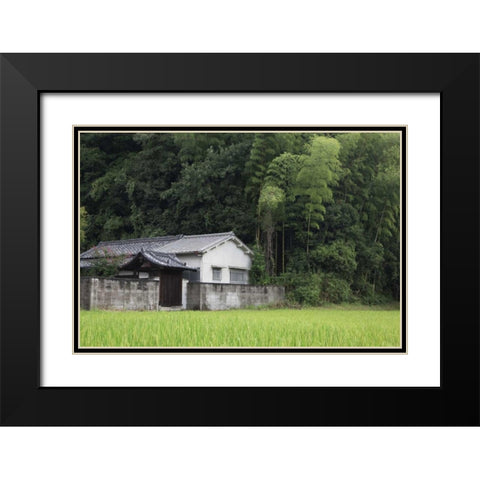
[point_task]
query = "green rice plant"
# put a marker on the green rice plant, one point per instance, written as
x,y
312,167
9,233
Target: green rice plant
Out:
x,y
319,327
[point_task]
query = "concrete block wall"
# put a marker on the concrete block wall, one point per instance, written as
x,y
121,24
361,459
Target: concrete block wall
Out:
x,y
217,296
85,292
118,294
193,296
135,294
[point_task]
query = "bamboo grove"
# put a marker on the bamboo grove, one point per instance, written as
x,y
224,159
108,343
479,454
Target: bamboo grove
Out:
x,y
321,211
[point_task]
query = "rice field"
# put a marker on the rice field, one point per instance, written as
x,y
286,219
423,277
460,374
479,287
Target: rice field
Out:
x,y
320,327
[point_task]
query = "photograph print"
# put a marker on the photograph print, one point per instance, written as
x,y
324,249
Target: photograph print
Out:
x,y
240,239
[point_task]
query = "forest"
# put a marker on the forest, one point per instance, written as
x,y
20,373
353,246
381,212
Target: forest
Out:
x,y
321,211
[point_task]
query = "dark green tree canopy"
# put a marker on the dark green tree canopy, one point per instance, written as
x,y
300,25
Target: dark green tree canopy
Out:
x,y
320,210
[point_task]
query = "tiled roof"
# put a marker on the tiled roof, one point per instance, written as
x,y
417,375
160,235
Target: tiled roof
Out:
x,y
115,248
195,243
157,259
174,244
92,262
87,263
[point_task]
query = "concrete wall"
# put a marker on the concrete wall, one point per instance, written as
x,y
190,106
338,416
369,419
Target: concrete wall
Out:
x,y
217,296
135,294
118,294
85,292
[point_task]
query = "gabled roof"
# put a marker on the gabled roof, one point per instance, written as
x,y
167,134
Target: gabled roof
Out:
x,y
161,260
201,243
115,248
173,244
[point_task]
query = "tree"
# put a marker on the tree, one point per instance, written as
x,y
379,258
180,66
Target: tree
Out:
x,y
265,147
209,194
107,265
338,257
322,208
258,272
282,173
271,206
83,227
103,159
367,205
149,174
314,183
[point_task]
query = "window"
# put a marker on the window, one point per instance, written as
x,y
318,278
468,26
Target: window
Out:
x,y
216,274
238,276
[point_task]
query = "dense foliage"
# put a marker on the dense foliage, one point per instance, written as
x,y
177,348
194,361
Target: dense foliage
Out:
x,y
321,211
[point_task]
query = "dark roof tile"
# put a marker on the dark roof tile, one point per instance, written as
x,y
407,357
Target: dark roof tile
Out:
x,y
162,260
173,244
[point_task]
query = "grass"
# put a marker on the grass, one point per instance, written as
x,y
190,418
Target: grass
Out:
x,y
320,327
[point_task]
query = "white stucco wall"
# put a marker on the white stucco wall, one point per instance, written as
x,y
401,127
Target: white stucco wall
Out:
x,y
225,256
194,261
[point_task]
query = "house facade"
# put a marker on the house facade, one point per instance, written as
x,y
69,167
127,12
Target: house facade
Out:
x,y
217,258
175,261
213,257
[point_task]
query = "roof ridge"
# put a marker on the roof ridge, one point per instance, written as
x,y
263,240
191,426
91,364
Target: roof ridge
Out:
x,y
209,234
138,240
163,237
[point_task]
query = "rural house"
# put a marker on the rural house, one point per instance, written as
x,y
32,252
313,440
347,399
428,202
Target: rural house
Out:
x,y
192,271
213,257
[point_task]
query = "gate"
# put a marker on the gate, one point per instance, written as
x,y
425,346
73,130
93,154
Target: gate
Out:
x,y
170,288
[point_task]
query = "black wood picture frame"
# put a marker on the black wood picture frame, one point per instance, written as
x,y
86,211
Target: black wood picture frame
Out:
x,y
23,77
